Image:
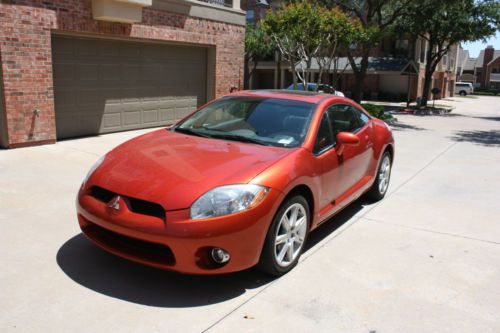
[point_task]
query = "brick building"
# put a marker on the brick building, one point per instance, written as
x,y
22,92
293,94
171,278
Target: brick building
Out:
x,y
85,67
384,78
483,71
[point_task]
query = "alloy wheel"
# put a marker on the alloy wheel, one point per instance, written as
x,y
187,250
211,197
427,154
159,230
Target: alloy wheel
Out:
x,y
290,235
384,174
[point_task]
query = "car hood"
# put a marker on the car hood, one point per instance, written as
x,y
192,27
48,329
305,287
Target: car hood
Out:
x,y
174,169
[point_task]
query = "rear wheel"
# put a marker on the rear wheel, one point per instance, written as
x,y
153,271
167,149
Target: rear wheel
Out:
x,y
286,237
379,187
463,93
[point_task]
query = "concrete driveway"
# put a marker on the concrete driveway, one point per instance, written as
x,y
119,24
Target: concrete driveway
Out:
x,y
425,259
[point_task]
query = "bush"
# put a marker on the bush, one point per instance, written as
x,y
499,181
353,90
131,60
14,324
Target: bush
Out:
x,y
375,110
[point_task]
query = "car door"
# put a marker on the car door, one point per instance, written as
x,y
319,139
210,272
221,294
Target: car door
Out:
x,y
354,161
328,161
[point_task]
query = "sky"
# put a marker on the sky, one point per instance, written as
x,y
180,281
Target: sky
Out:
x,y
475,47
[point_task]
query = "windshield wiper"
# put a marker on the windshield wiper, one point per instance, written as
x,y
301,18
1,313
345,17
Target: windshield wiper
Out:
x,y
190,131
240,138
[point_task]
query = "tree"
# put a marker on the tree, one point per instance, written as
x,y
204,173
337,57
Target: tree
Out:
x,y
377,18
304,31
447,22
257,46
337,31
295,28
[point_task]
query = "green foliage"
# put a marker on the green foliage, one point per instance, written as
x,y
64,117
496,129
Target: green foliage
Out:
x,y
452,21
295,24
376,111
447,22
257,43
303,30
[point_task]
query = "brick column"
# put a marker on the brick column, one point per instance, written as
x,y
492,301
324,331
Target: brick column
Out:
x,y
27,74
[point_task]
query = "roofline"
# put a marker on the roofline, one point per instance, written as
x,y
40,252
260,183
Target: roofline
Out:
x,y
493,60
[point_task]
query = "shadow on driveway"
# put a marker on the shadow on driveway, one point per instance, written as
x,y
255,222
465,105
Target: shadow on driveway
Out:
x,y
483,138
107,274
400,126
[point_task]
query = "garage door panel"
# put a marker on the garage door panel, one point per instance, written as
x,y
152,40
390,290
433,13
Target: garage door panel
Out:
x,y
110,72
65,98
132,118
150,116
102,86
64,72
166,115
112,120
86,47
87,72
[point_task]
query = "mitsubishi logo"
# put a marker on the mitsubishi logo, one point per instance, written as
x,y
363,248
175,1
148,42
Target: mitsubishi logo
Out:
x,y
115,203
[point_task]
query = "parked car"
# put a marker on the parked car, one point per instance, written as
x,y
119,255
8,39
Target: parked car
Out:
x,y
324,88
239,182
464,88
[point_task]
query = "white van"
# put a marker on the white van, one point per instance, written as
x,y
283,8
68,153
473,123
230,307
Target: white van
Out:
x,y
464,88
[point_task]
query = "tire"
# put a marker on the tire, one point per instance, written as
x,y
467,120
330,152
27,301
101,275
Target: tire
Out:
x,y
379,188
275,258
463,93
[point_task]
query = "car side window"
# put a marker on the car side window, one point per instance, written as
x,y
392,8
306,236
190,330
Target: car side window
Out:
x,y
362,117
343,118
324,138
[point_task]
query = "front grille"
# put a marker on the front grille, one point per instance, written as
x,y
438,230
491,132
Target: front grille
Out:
x,y
130,247
135,205
101,194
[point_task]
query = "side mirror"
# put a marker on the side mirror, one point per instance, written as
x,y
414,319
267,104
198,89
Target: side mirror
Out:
x,y
345,139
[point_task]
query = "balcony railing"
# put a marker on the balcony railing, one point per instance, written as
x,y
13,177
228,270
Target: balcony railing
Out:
x,y
223,3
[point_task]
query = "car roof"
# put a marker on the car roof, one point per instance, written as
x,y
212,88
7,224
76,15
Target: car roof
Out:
x,y
295,95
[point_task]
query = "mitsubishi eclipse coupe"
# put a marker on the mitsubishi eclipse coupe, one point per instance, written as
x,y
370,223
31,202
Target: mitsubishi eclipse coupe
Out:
x,y
239,182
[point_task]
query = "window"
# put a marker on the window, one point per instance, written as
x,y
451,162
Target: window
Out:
x,y
344,118
401,48
250,15
324,138
269,121
363,118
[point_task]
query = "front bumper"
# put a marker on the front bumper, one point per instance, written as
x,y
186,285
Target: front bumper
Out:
x,y
178,243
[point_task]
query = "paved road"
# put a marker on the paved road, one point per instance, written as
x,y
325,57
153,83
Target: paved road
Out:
x,y
425,259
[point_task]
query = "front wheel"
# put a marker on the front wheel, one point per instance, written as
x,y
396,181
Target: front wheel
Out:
x,y
286,237
379,187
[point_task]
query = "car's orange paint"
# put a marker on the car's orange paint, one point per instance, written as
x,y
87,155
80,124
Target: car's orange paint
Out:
x,y
174,169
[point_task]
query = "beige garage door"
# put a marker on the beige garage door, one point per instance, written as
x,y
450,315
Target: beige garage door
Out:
x,y
103,86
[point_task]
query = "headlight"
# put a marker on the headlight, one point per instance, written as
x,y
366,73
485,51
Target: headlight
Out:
x,y
93,167
228,199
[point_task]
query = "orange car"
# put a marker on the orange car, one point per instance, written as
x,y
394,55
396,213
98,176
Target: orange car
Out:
x,y
239,182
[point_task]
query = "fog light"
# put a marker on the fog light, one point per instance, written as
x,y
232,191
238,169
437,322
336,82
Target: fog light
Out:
x,y
220,256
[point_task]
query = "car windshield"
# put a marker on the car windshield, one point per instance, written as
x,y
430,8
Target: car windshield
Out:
x,y
265,121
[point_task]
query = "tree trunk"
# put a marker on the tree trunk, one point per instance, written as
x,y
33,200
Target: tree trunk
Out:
x,y
246,73
427,86
278,68
360,74
429,70
294,73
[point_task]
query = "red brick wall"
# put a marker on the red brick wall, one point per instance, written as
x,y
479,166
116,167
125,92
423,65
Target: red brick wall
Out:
x,y
26,56
494,64
488,56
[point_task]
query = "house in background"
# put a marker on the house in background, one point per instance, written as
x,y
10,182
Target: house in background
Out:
x,y
388,64
483,71
86,67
